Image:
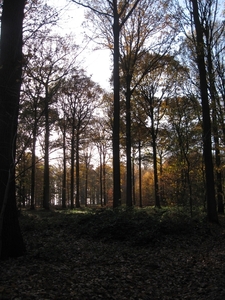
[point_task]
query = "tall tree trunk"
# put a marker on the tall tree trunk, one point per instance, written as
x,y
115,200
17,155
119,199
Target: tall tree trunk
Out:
x,y
77,172
154,149
104,179
72,169
155,166
128,143
140,179
46,193
214,97
207,147
100,176
11,241
133,177
86,180
33,169
116,117
64,167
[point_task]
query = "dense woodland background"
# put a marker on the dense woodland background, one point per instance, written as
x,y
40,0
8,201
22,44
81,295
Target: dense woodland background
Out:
x,y
64,140
156,139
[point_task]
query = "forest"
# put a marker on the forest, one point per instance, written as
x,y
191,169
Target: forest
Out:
x,y
138,165
66,127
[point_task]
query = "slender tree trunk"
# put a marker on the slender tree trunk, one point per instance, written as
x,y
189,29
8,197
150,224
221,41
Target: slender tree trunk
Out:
x,y
219,177
86,181
214,97
116,116
46,194
128,144
154,149
33,169
104,179
207,147
155,166
33,174
133,178
11,241
64,167
72,169
77,172
140,179
100,176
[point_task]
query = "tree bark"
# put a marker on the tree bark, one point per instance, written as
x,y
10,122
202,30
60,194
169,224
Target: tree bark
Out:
x,y
140,176
129,201
100,175
207,146
77,170
11,241
64,166
72,168
33,171
46,193
155,166
104,178
214,98
116,116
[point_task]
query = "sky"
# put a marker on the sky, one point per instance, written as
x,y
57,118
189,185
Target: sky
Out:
x,y
96,63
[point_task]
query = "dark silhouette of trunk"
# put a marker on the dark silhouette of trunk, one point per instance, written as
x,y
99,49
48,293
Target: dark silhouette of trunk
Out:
x,y
100,176
11,241
77,171
104,179
46,194
155,166
33,168
133,178
153,131
139,166
64,167
72,169
116,114
214,97
33,172
128,143
86,180
207,147
161,189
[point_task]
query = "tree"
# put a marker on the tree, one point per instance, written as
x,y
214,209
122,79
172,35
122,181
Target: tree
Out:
x,y
112,15
80,96
213,31
62,123
101,139
207,146
48,64
154,89
30,122
185,145
138,37
11,241
39,20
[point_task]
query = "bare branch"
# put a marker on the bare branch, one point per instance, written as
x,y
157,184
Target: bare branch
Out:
x,y
93,9
129,13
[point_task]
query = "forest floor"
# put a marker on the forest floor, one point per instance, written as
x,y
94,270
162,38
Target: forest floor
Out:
x,y
125,254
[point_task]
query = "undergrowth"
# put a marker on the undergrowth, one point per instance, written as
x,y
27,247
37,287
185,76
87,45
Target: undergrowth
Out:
x,y
131,225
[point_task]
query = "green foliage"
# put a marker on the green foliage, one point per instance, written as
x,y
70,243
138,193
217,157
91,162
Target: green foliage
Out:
x,y
137,227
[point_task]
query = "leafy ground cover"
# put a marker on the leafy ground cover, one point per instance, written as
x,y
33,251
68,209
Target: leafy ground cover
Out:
x,y
122,254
